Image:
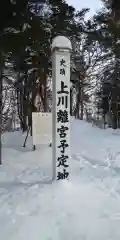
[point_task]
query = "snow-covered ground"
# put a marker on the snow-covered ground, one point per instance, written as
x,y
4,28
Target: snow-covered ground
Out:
x,y
87,207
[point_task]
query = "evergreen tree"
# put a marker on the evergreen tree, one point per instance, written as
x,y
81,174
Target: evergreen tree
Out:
x,y
107,35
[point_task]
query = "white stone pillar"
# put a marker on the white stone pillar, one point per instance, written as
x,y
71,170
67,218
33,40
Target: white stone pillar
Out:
x,y
61,50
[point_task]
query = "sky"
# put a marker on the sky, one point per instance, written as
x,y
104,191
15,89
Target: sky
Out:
x,y
92,4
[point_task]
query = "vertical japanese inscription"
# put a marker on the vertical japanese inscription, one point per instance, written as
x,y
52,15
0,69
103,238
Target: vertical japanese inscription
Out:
x,y
62,122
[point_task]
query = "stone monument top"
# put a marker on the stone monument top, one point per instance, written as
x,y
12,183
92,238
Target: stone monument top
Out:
x,y
61,42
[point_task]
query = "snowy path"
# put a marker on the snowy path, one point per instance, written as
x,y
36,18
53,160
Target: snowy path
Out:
x,y
85,208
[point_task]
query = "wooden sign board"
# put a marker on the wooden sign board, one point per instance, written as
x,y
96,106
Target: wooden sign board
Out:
x,y
41,128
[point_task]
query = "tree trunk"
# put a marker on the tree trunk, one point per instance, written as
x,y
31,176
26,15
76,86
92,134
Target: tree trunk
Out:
x,y
71,101
25,105
81,115
24,119
45,94
114,121
22,110
81,103
1,71
78,89
109,119
114,116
